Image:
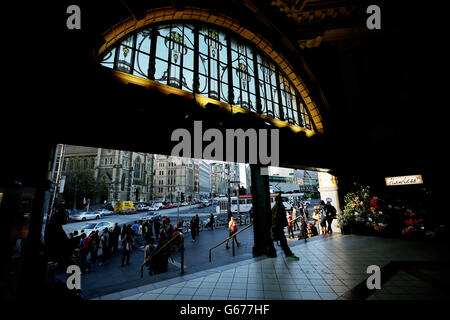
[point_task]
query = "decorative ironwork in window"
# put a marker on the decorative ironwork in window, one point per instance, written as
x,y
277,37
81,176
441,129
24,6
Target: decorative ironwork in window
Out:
x,y
213,62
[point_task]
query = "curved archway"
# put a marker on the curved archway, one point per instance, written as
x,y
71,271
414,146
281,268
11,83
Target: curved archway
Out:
x,y
168,26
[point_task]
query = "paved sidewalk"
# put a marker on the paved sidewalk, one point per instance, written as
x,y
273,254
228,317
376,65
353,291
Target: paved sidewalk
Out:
x,y
329,268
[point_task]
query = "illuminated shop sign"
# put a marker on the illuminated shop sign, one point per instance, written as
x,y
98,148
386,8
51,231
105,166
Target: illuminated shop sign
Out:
x,y
404,180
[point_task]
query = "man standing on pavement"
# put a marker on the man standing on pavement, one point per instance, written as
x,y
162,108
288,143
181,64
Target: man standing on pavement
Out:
x,y
115,238
294,218
197,225
211,221
135,228
331,214
279,222
157,227
193,229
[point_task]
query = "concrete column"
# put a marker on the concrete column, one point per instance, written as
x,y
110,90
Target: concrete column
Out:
x,y
328,188
262,214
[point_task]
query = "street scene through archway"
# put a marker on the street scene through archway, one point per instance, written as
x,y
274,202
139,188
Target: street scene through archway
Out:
x,y
105,195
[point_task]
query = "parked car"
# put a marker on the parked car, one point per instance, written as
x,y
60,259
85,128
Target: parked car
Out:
x,y
201,205
105,212
93,226
142,207
156,206
128,211
87,215
185,204
168,206
152,216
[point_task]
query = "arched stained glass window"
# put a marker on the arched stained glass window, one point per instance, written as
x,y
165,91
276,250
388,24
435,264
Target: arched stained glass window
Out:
x,y
137,168
213,62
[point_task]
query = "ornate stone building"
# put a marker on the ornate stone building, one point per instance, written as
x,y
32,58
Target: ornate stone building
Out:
x,y
128,175
174,176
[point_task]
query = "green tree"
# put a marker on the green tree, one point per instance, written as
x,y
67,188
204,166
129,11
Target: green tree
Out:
x,y
80,183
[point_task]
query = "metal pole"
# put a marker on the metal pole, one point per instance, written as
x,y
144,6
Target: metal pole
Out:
x,y
232,243
229,190
182,254
238,208
58,178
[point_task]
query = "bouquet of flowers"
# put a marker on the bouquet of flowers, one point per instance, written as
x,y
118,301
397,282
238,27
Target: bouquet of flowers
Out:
x,y
363,211
413,225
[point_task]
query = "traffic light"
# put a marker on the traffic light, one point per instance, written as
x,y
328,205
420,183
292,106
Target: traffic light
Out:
x,y
182,197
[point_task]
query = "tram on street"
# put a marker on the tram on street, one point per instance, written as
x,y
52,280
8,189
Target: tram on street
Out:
x,y
246,202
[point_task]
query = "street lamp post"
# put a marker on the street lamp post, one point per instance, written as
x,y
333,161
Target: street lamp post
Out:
x,y
229,191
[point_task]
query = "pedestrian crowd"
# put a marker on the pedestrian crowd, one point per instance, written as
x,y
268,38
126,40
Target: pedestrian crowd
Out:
x,y
147,234
298,220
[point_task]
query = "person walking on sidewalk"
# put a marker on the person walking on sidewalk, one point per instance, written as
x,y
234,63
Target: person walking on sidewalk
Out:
x,y
114,238
95,246
232,229
193,229
317,218
290,225
197,225
211,221
323,217
105,245
157,228
127,244
294,218
331,214
279,222
84,251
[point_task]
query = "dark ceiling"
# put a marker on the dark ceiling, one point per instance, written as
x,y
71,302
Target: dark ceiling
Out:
x,y
384,89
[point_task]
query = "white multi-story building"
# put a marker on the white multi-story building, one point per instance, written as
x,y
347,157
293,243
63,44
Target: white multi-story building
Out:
x,y
204,179
174,177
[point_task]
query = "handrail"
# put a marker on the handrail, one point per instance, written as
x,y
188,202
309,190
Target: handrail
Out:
x,y
227,239
162,247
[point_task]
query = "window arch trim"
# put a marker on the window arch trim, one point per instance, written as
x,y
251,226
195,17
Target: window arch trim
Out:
x,y
191,15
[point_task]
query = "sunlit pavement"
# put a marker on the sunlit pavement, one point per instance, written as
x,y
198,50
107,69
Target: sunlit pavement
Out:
x,y
329,268
111,277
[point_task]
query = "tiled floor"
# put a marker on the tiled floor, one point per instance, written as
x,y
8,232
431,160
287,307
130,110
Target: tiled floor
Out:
x,y
327,269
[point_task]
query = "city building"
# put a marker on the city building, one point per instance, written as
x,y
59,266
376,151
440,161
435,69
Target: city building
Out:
x,y
174,179
128,175
204,179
